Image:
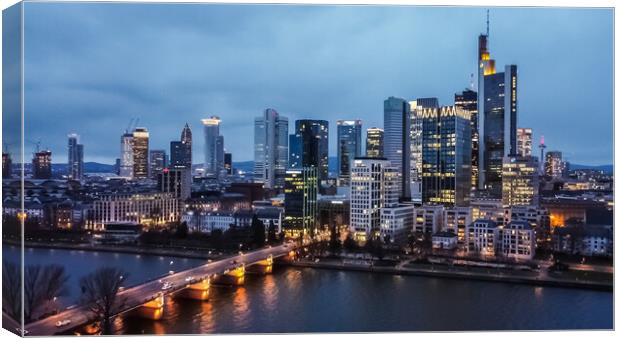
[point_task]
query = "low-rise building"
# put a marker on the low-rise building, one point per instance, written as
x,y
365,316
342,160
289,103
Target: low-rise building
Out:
x,y
482,237
149,209
584,239
455,220
396,223
445,240
428,219
518,240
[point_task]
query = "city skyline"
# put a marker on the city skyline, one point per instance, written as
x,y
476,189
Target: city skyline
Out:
x,y
179,96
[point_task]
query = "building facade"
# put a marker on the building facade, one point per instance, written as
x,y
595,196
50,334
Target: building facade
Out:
x,y
520,181
349,144
157,162
375,184
446,156
126,163
397,140
468,101
42,165
524,141
140,148
214,146
181,151
374,142
75,156
314,145
300,201
270,149
149,209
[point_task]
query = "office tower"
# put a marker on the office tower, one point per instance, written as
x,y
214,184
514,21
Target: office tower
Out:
x,y
375,184
126,167
415,133
270,149
42,165
524,141
349,145
468,100
181,151
177,181
214,146
157,162
140,153
446,156
554,167
397,140
219,152
228,163
300,200
75,165
542,147
314,145
374,142
294,147
497,117
117,166
520,180
6,165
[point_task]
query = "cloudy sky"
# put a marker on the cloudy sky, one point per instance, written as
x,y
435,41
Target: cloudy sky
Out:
x,y
90,68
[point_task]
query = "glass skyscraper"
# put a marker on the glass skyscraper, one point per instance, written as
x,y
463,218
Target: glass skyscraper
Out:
x,y
300,200
397,140
314,145
497,118
75,158
446,156
214,146
349,145
140,148
374,142
270,149
468,100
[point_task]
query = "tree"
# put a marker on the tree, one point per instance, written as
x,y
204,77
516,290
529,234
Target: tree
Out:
x,y
11,290
272,233
41,285
350,244
182,230
334,240
100,293
258,231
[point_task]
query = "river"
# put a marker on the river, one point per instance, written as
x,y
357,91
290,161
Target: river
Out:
x,y
314,300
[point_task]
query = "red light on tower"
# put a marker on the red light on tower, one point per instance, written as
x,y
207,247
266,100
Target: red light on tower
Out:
x,y
166,170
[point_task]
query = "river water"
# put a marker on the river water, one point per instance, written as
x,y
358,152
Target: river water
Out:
x,y
313,300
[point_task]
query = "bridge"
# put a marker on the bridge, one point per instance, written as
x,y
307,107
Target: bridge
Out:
x,y
148,299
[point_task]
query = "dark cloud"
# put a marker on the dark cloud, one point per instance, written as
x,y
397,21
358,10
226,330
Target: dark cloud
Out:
x,y
91,67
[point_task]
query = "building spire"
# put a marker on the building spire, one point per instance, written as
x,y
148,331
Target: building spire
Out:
x,y
487,23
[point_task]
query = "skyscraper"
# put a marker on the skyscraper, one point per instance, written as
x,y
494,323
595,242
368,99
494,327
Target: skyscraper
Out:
x,y
140,153
468,100
524,141
126,165
349,145
181,151
375,184
228,163
374,142
554,167
314,145
520,180
42,165
415,133
214,146
300,200
294,151
497,117
157,162
397,140
175,180
6,165
270,149
75,167
446,156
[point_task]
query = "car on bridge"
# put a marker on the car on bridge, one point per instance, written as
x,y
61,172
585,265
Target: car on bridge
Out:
x,y
167,286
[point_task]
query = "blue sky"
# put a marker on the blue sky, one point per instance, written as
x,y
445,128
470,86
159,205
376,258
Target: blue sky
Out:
x,y
90,68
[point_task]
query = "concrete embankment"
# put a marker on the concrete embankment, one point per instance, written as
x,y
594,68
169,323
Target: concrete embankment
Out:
x,y
492,277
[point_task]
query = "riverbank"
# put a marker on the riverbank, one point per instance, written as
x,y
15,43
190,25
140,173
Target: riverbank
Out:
x,y
180,253
455,273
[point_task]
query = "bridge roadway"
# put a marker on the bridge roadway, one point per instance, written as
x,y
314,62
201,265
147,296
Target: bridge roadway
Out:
x,y
142,293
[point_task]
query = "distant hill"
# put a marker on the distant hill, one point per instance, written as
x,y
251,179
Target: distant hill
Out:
x,y
89,167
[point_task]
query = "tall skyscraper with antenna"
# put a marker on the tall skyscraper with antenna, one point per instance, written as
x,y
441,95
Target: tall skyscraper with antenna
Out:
x,y
497,117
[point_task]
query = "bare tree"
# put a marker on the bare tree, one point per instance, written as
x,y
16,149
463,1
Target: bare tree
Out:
x,y
42,284
11,290
99,292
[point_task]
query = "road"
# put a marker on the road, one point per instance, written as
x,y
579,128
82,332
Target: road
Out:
x,y
140,294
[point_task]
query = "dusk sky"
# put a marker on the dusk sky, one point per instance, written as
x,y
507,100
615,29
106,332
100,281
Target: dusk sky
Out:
x,y
90,68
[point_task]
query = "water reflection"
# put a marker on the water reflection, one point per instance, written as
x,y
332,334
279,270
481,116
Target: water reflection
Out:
x,y
241,309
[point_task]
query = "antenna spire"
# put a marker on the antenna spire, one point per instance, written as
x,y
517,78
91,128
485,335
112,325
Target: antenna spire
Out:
x,y
487,23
